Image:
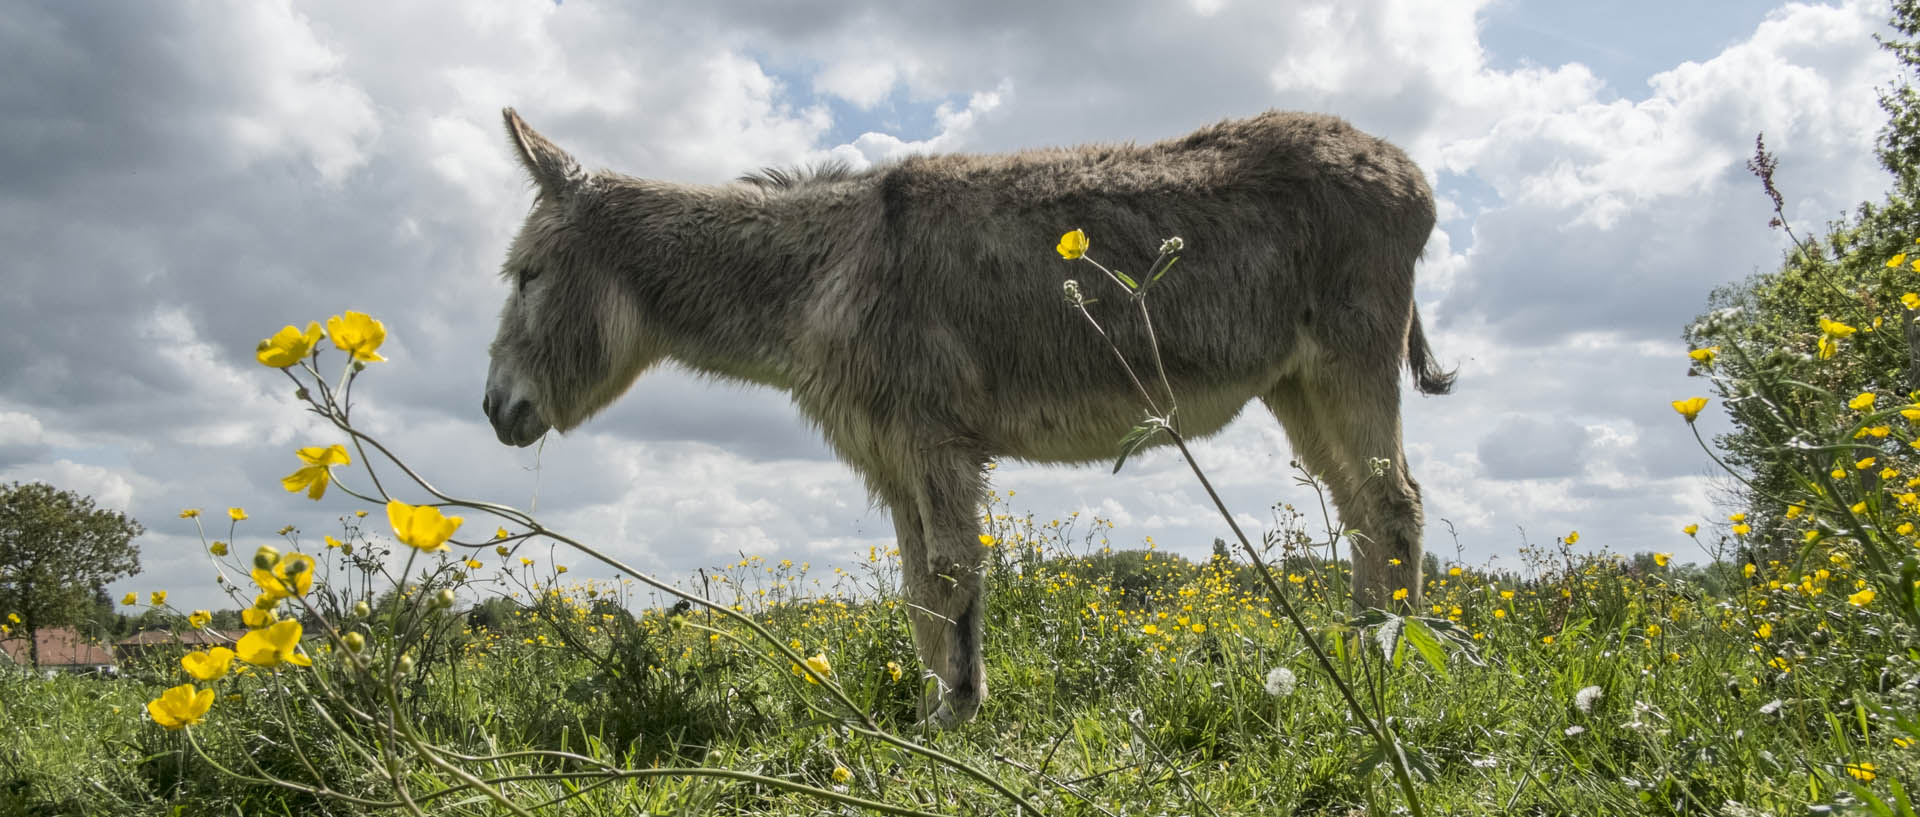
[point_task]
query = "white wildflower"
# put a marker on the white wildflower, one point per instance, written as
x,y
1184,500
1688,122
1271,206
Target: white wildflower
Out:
x,y
1576,729
1280,682
1586,698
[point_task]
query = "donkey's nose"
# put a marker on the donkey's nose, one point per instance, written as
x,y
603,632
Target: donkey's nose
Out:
x,y
514,421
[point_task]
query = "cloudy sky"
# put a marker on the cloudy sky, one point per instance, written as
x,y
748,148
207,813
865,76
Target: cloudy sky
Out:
x,y
180,179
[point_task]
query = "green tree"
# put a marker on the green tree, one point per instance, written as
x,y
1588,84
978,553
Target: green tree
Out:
x,y
1844,276
57,554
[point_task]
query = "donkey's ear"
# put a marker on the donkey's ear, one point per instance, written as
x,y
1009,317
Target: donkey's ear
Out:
x,y
556,172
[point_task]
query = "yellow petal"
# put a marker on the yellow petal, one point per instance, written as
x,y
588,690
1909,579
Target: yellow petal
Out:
x,y
1690,407
288,346
357,335
1073,245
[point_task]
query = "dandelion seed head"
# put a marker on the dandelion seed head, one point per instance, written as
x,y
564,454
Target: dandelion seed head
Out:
x,y
1586,698
1280,682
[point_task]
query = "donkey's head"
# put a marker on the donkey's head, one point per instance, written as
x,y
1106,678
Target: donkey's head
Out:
x,y
570,339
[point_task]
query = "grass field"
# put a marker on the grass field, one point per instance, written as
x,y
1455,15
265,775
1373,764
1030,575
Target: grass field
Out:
x,y
1123,683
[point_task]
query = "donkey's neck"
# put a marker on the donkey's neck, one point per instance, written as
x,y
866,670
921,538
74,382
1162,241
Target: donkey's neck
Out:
x,y
714,273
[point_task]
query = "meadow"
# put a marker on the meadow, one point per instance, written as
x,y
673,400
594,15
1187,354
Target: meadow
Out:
x,y
1124,682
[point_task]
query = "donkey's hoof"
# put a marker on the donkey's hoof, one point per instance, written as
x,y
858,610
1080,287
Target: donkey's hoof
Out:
x,y
952,711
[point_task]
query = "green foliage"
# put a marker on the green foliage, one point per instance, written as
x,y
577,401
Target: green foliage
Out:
x,y
1844,276
57,554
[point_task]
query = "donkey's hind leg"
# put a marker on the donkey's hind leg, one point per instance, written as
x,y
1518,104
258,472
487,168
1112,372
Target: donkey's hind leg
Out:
x,y
1310,438
1358,405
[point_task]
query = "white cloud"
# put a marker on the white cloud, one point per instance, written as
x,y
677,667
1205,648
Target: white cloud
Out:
x,y
864,83
1585,217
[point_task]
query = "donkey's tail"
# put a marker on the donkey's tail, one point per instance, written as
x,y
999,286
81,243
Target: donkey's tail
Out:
x,y
1428,377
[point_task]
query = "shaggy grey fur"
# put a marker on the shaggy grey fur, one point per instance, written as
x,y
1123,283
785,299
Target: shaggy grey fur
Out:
x,y
914,313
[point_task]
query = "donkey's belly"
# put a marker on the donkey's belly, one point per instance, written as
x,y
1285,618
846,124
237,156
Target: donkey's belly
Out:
x,y
1082,431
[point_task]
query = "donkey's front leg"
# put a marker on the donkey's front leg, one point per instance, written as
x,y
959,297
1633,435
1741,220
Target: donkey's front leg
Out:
x,y
945,591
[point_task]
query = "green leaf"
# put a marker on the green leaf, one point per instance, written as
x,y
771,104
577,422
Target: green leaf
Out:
x,y
1125,280
1163,270
1134,441
1388,638
1429,646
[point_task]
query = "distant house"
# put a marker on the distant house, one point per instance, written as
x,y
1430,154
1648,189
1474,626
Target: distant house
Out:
x,y
62,649
167,642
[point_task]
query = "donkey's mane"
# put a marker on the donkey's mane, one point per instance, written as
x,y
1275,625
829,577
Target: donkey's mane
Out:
x,y
788,178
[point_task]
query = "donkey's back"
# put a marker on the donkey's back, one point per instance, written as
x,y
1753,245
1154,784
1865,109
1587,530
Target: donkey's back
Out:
x,y
1300,236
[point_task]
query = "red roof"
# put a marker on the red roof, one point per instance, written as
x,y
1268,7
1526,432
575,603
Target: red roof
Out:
x,y
59,647
190,638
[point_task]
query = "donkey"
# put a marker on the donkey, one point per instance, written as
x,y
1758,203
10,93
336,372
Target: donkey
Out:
x,y
913,313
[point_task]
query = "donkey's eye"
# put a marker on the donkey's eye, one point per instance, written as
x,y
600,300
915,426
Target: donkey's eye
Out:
x,y
527,274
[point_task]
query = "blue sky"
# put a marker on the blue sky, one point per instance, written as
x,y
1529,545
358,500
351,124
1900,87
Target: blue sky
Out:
x,y
186,178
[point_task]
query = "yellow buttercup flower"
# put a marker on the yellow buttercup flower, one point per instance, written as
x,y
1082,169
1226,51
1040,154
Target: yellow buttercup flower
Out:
x,y
421,526
1748,570
256,618
1400,595
1073,245
1705,355
1863,771
272,646
818,663
1690,530
208,665
189,513
236,514
1690,407
1896,260
313,476
1862,401
157,598
1835,328
288,346
357,335
181,706
130,599
1910,301
290,575
1742,529
842,774
987,540
893,670
1661,559
1862,598
199,619
1573,537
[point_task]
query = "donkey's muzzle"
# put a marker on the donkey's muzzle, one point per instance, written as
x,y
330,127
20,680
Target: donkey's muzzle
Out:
x,y
515,421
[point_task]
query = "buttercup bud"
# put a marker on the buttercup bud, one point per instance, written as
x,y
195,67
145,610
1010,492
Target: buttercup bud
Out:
x,y
406,664
266,557
355,642
362,610
300,393
443,599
